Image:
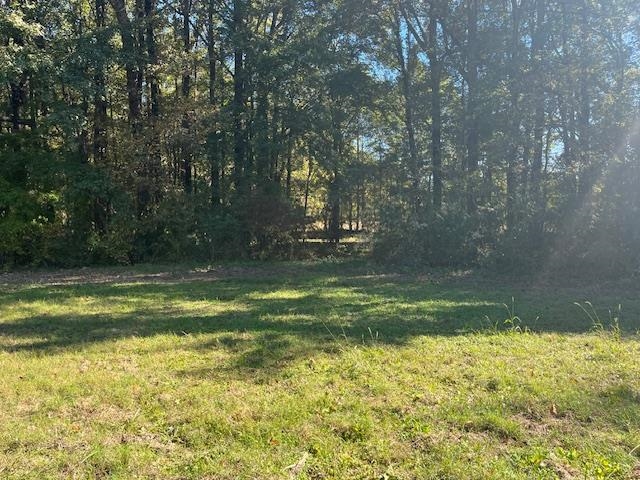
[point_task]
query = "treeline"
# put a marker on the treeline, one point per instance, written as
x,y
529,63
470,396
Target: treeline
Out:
x,y
455,132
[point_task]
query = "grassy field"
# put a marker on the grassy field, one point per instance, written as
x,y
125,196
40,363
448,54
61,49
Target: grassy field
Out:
x,y
315,371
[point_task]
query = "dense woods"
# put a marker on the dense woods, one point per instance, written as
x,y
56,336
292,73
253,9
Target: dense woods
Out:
x,y
495,132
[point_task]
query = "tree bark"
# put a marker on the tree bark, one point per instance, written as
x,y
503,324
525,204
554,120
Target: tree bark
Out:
x,y
239,99
406,83
537,46
473,138
213,138
435,78
134,94
187,151
100,95
152,52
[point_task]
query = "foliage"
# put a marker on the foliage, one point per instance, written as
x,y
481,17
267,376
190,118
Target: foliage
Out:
x,y
458,133
438,239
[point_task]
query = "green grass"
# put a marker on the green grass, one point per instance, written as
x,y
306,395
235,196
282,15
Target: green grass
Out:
x,y
315,371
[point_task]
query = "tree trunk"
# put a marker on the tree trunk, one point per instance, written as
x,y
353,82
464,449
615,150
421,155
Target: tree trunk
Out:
x,y
154,169
435,78
289,165
514,116
186,45
307,186
187,151
213,138
239,98
406,71
152,51
537,45
335,222
100,96
473,137
100,205
588,174
134,94
262,134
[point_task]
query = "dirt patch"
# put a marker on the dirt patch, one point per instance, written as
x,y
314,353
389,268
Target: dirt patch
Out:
x,y
532,425
111,276
563,471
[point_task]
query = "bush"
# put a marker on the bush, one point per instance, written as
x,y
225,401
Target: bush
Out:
x,y
447,239
29,217
274,225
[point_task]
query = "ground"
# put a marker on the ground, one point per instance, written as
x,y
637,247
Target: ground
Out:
x,y
326,370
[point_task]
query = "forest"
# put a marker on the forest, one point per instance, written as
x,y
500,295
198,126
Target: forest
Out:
x,y
503,133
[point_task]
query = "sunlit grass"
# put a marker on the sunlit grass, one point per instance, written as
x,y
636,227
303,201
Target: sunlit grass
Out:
x,y
340,371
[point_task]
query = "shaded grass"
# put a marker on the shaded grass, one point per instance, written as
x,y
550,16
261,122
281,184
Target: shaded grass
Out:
x,y
363,373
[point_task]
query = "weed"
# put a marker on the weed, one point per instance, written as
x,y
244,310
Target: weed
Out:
x,y
613,326
512,323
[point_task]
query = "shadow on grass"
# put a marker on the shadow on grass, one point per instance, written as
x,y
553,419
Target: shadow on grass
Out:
x,y
281,318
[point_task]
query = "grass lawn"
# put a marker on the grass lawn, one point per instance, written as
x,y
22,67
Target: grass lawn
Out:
x,y
315,371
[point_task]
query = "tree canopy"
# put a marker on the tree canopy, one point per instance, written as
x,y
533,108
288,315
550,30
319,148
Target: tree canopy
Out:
x,y
503,132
